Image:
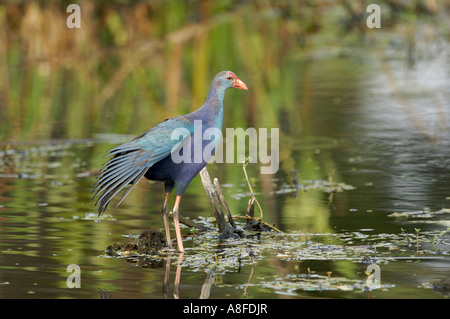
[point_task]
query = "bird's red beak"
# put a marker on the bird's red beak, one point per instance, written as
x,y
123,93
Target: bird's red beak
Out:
x,y
238,84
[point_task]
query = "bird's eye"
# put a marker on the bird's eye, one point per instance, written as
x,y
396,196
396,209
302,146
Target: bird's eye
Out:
x,y
229,78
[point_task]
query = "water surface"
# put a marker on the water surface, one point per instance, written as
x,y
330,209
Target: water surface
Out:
x,y
364,120
394,177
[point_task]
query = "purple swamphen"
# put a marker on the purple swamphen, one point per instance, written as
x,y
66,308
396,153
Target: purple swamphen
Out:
x,y
150,154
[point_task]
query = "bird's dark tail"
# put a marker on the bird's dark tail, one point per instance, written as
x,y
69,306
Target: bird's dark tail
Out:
x,y
127,166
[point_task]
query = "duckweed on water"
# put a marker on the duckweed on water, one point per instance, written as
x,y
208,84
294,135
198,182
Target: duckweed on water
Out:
x,y
205,253
296,251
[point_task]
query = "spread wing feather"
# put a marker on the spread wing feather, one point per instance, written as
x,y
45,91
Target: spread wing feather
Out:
x,y
131,160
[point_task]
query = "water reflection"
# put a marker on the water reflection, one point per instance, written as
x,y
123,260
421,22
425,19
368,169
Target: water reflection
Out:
x,y
176,284
373,117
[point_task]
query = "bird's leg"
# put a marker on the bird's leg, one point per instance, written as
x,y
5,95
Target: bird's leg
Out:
x,y
165,211
176,223
176,285
165,288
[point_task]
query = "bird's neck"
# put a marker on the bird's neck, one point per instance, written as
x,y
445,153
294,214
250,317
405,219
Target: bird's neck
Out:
x,y
214,103
215,97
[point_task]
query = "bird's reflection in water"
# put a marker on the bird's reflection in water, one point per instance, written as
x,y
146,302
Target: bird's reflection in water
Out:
x,y
176,284
210,278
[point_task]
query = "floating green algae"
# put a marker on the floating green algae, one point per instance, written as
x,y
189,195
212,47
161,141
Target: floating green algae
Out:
x,y
204,250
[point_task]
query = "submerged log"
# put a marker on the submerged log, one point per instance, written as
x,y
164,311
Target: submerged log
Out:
x,y
226,231
224,202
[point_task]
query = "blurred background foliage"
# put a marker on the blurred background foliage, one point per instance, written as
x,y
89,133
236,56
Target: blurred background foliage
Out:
x,y
135,63
368,107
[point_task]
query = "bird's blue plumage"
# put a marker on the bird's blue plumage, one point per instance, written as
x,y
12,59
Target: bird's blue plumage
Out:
x,y
150,154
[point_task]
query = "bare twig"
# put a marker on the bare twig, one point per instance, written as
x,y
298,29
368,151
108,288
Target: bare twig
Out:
x,y
251,207
251,190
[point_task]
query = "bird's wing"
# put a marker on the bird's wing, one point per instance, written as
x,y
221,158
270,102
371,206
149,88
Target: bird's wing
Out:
x,y
132,160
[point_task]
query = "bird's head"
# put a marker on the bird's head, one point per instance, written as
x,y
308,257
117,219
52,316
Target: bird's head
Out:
x,y
228,79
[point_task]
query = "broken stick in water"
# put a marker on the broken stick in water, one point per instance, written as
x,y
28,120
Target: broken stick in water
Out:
x,y
226,231
224,202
